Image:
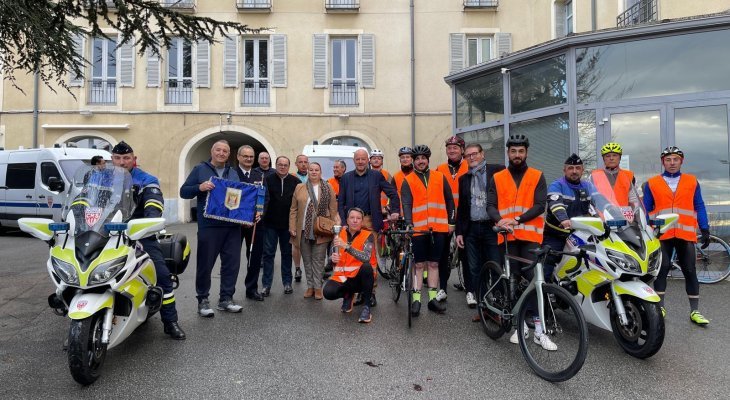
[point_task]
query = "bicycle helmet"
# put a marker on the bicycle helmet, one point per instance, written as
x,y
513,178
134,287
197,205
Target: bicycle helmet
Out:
x,y
405,150
518,140
611,147
376,153
421,150
456,140
672,150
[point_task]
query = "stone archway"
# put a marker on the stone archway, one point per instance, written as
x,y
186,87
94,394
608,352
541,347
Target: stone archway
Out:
x,y
90,135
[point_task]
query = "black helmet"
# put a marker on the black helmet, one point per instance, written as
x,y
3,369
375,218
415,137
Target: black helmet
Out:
x,y
672,150
405,150
421,150
518,140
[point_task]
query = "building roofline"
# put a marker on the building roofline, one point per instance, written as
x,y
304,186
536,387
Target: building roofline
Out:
x,y
662,27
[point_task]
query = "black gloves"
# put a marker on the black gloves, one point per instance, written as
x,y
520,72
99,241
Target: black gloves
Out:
x,y
705,238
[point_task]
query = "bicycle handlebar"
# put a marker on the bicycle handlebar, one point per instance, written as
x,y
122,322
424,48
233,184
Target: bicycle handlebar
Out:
x,y
406,231
547,251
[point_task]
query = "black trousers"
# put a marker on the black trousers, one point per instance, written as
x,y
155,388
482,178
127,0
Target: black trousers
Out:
x,y
686,258
362,283
223,241
445,268
168,312
253,255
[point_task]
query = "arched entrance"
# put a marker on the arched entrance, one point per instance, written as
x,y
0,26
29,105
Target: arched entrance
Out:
x,y
197,149
88,140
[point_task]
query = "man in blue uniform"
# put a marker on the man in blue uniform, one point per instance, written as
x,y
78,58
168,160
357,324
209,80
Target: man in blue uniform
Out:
x,y
150,204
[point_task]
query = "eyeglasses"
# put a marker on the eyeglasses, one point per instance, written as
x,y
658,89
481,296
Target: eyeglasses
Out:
x,y
471,155
282,165
247,156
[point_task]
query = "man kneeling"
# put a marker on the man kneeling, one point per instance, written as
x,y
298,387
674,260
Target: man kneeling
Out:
x,y
353,260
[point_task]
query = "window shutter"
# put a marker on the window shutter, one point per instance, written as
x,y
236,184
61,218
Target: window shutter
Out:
x,y
559,19
278,61
153,68
230,61
367,61
73,79
126,63
319,67
202,64
456,50
503,43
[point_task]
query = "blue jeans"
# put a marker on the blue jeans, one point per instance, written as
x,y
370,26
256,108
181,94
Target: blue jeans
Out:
x,y
481,246
272,237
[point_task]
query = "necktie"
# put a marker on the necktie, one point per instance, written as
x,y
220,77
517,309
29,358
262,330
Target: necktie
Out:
x,y
246,175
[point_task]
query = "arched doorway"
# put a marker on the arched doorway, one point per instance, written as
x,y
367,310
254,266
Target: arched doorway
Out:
x,y
197,149
88,140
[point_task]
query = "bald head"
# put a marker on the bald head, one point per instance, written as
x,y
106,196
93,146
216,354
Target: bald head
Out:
x,y
361,161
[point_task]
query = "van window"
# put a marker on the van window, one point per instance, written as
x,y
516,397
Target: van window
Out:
x,y
20,176
70,167
48,170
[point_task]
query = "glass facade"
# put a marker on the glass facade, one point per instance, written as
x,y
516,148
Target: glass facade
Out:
x,y
645,89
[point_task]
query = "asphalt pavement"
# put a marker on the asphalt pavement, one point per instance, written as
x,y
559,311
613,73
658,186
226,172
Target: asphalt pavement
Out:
x,y
290,347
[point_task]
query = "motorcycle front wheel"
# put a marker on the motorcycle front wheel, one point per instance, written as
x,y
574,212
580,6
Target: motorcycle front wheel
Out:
x,y
643,336
86,352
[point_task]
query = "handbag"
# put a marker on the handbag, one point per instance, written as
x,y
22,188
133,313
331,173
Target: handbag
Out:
x,y
323,226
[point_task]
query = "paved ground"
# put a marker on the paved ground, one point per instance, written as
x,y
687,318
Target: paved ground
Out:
x,y
290,347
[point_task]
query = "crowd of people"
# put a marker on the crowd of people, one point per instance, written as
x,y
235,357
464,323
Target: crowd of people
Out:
x,y
463,198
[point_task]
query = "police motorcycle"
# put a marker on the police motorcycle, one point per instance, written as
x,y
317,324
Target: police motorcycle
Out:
x,y
620,255
105,282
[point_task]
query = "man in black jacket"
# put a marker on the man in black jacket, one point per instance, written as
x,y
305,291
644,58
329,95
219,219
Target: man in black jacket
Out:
x,y
473,225
254,245
279,191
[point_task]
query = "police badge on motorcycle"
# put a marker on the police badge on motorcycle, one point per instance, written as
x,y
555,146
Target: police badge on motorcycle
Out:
x,y
233,201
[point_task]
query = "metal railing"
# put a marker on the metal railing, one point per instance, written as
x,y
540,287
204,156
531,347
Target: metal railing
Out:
x,y
255,93
102,91
481,3
182,4
343,94
253,4
342,4
642,12
179,91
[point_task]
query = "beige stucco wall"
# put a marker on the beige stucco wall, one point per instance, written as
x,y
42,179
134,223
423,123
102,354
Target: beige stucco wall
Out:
x,y
162,135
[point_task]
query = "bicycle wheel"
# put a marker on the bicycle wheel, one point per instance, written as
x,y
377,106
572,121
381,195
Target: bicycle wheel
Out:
x,y
396,271
493,290
564,325
713,263
383,256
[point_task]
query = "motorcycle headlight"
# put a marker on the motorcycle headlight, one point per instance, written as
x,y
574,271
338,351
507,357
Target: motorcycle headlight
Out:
x,y
627,264
106,270
65,271
655,261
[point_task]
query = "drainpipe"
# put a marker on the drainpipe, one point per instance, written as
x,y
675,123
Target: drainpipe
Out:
x,y
593,15
35,109
413,78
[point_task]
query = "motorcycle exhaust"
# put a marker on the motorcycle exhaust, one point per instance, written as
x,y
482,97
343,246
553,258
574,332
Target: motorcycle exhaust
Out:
x,y
154,299
58,306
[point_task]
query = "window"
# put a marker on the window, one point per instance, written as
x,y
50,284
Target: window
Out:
x,y
492,141
569,17
344,73
103,83
49,170
479,100
563,17
549,143
478,50
255,72
180,72
538,85
20,176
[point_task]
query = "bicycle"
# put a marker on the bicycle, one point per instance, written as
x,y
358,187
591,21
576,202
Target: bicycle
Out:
x,y
499,301
406,265
389,263
454,262
713,263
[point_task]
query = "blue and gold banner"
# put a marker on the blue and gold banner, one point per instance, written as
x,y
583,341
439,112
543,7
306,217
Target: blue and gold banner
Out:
x,y
234,201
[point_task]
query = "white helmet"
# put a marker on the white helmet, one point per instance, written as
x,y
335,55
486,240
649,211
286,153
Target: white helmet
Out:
x,y
376,153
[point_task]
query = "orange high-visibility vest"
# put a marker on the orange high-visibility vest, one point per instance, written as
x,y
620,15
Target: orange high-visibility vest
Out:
x,y
680,202
429,205
383,198
513,202
335,183
349,266
398,178
618,194
454,179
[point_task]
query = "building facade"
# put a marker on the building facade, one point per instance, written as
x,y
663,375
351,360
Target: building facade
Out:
x,y
322,70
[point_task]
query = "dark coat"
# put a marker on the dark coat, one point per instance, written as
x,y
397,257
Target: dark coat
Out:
x,y
377,183
463,212
190,189
253,177
279,193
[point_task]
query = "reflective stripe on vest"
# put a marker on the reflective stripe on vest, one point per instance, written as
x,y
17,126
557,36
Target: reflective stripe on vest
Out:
x,y
454,179
618,194
429,208
349,266
680,202
513,201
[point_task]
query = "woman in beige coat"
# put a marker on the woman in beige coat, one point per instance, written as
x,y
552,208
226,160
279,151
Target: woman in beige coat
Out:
x,y
302,215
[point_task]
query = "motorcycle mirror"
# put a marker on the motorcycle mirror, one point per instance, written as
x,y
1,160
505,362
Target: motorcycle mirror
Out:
x,y
37,227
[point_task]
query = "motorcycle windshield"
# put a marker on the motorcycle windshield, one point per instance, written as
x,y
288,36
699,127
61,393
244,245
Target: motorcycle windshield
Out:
x,y
96,195
619,206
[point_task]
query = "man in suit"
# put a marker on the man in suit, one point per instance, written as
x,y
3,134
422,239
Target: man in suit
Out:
x,y
361,188
252,236
473,225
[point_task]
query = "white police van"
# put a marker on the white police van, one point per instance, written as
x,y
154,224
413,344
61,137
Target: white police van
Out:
x,y
33,182
327,154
